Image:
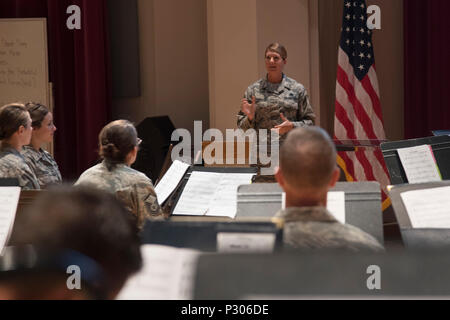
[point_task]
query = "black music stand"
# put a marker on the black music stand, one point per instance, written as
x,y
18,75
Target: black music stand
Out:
x,y
418,238
322,275
441,150
201,234
9,182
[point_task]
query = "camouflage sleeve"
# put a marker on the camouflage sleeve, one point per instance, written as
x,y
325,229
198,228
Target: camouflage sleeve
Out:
x,y
148,206
30,162
242,120
140,199
305,113
129,199
28,180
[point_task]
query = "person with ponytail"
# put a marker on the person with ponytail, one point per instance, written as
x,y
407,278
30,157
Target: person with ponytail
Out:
x,y
118,147
15,132
40,161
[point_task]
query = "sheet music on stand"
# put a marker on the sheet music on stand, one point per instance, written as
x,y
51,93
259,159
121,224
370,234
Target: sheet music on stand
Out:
x,y
224,202
167,274
428,208
197,194
9,198
170,180
419,164
336,205
422,214
441,151
211,194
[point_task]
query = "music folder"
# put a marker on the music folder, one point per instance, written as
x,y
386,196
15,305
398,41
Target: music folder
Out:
x,y
220,170
418,238
213,234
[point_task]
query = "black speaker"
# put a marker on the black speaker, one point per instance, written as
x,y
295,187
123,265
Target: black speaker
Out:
x,y
156,133
124,48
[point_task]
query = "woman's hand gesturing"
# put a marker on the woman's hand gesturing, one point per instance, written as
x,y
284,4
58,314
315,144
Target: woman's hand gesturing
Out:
x,y
249,109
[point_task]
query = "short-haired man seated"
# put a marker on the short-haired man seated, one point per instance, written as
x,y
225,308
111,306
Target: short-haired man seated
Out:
x,y
307,171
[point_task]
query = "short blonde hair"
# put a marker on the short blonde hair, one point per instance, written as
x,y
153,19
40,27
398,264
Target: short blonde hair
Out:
x,y
278,48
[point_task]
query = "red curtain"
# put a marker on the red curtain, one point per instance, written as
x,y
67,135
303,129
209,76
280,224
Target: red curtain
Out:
x,y
79,71
427,66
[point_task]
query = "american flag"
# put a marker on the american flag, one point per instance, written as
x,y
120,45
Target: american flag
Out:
x,y
357,110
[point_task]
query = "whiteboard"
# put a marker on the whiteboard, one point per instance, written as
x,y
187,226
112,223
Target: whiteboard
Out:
x,y
24,61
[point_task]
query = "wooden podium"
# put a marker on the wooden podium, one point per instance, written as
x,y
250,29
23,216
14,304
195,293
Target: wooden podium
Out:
x,y
226,154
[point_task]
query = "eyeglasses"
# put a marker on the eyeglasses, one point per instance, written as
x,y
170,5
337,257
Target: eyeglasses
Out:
x,y
139,141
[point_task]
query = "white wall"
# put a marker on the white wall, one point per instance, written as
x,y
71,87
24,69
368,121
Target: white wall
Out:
x,y
286,22
233,63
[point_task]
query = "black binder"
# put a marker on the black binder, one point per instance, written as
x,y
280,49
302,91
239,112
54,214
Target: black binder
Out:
x,y
362,204
441,150
201,234
9,182
418,238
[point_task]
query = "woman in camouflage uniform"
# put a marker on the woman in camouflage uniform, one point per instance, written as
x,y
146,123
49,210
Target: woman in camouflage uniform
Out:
x,y
40,161
15,132
118,144
277,101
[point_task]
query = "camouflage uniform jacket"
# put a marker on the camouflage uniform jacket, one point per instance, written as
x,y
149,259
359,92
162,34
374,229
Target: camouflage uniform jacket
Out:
x,y
43,165
13,165
131,187
315,228
288,97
